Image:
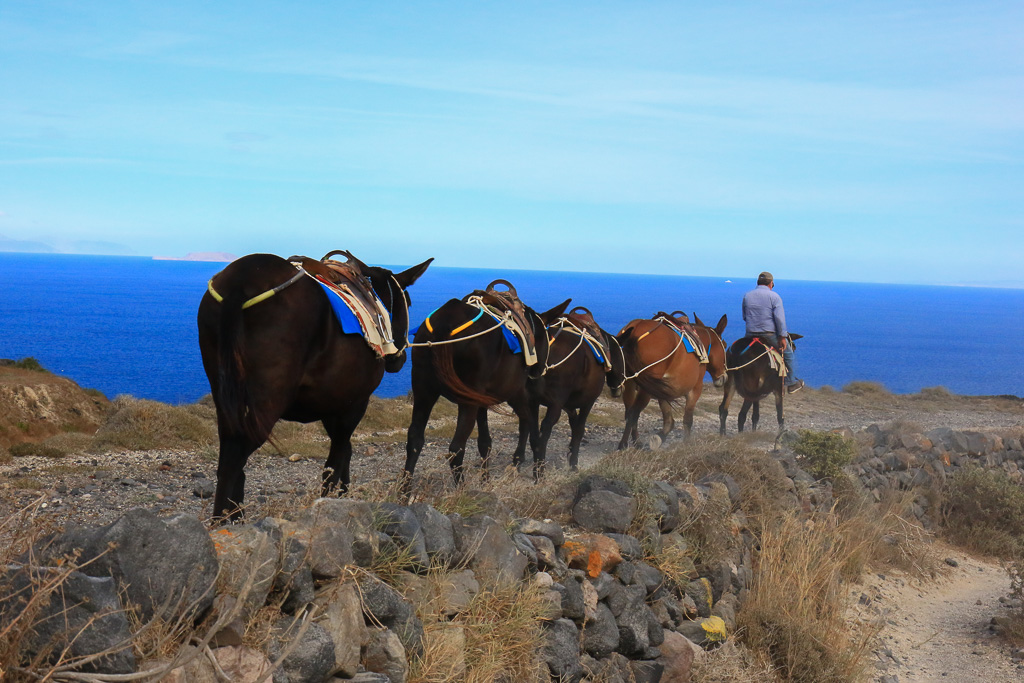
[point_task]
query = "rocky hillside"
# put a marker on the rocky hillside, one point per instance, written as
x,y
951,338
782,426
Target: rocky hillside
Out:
x,y
35,404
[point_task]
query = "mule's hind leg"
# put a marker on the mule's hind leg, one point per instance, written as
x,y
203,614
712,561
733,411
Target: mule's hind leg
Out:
x,y
457,448
723,408
755,416
234,453
578,424
336,475
633,410
778,408
527,412
422,404
551,417
484,441
742,417
667,421
691,404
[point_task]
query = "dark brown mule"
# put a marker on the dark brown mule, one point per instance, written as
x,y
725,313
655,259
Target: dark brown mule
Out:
x,y
752,376
658,366
286,357
463,356
574,379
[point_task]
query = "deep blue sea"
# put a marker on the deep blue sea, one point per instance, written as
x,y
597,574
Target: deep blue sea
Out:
x,y
127,325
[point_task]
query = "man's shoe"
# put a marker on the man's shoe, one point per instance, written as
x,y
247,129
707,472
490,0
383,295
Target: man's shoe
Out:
x,y
795,386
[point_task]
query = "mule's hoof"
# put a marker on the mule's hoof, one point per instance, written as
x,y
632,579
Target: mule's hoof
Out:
x,y
654,443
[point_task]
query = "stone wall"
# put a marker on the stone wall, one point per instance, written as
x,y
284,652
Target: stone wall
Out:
x,y
610,613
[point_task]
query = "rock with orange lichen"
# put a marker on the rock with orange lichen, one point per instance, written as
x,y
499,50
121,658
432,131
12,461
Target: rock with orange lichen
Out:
x,y
592,553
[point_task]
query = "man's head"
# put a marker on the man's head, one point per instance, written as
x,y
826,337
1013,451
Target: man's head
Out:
x,y
765,278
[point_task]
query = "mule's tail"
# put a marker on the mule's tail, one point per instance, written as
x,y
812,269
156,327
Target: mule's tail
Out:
x,y
656,387
444,365
238,415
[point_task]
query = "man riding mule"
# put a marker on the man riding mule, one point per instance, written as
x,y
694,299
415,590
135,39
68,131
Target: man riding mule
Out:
x,y
303,340
756,366
766,321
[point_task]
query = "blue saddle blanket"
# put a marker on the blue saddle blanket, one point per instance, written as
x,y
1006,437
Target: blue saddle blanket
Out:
x,y
687,344
346,318
597,351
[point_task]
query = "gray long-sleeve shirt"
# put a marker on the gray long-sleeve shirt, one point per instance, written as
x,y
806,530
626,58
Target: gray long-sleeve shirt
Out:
x,y
762,311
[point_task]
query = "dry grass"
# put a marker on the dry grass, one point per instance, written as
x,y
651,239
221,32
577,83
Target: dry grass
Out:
x,y
761,478
730,663
389,416
867,389
983,511
139,424
935,394
297,438
884,535
503,634
794,615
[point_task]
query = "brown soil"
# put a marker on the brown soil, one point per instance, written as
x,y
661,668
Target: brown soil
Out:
x,y
940,630
35,405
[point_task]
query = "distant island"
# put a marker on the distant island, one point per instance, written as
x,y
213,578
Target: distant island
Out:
x,y
220,256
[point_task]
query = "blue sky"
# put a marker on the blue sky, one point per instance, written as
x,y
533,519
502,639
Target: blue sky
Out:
x,y
868,141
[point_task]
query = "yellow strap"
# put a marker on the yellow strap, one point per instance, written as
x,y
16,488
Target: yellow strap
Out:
x,y
460,328
258,298
430,327
251,302
643,335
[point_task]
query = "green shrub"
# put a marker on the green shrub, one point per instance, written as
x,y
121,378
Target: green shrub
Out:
x,y
20,450
29,363
824,454
866,389
984,511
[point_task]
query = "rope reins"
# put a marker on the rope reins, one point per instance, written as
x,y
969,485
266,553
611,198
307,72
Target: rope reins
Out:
x,y
473,301
767,350
661,321
560,324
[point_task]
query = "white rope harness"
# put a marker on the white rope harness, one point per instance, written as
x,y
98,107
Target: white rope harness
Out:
x,y
661,321
738,367
474,301
767,350
583,334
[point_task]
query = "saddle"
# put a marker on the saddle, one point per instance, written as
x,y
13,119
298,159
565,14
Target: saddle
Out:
x,y
681,322
508,301
583,319
745,344
347,282
338,273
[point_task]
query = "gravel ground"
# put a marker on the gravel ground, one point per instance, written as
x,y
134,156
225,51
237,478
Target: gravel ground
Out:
x,y
86,487
940,630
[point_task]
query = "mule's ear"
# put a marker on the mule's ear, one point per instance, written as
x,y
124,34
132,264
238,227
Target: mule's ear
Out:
x,y
697,319
411,275
551,316
794,336
722,322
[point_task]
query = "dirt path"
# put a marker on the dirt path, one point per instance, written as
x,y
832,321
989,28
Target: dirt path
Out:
x,y
939,631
